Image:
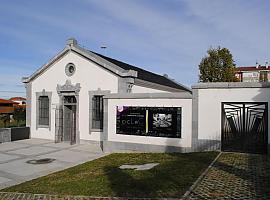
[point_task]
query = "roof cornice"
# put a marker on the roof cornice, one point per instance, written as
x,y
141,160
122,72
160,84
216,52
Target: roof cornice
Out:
x,y
143,83
175,95
214,85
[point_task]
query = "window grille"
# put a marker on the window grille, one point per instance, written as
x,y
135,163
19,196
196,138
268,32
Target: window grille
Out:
x,y
43,102
97,112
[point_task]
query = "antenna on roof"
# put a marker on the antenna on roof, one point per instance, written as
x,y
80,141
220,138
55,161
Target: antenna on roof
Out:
x,y
104,48
266,65
257,64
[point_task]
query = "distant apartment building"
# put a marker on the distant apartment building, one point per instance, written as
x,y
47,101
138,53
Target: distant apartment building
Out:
x,y
19,100
256,73
7,106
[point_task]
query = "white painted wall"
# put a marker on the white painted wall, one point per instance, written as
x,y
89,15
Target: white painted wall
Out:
x,y
209,107
186,104
89,75
141,89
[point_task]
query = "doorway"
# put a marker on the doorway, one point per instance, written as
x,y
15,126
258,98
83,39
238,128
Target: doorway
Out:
x,y
69,119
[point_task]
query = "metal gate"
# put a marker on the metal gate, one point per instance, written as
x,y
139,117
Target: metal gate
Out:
x,y
244,127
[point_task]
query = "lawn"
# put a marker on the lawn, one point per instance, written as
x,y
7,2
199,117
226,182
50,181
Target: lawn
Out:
x,y
102,177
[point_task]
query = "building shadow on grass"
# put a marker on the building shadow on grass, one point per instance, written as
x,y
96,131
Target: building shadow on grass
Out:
x,y
170,179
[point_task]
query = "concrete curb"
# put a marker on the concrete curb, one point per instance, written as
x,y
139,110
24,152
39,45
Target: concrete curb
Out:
x,y
196,183
29,196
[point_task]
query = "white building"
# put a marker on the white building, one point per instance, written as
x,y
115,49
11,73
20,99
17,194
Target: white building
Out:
x,y
82,96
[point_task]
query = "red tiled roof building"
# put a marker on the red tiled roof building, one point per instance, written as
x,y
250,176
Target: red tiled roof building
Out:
x,y
256,73
7,106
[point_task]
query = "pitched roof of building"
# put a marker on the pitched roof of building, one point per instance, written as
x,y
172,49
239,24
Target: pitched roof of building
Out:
x,y
4,101
144,74
116,66
17,99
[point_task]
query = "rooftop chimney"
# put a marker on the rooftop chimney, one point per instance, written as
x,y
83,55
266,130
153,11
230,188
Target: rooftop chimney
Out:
x,y
257,65
71,42
266,65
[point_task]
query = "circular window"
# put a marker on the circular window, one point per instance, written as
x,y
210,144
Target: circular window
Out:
x,y
70,69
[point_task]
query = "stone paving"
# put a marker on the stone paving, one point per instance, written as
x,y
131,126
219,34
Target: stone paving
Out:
x,y
13,157
236,176
25,196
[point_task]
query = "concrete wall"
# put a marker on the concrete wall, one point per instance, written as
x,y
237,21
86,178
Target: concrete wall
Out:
x,y
207,99
141,89
13,134
144,143
20,133
5,135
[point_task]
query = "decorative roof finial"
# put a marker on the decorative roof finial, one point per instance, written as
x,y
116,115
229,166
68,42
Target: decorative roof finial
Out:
x,y
71,42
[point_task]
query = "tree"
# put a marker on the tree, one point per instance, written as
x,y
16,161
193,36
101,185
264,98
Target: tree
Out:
x,y
217,66
19,114
5,118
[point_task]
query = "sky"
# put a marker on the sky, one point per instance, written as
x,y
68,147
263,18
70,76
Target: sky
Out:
x,y
163,36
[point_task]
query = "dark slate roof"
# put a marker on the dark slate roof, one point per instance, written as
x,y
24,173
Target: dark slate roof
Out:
x,y
145,75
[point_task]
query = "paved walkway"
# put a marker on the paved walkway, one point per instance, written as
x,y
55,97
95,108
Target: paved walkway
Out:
x,y
236,176
13,157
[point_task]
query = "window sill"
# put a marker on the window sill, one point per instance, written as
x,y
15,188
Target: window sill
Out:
x,y
96,130
43,126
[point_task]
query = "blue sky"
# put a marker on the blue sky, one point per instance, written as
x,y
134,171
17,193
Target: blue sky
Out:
x,y
163,36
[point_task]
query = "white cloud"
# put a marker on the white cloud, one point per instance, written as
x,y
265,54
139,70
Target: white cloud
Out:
x,y
163,40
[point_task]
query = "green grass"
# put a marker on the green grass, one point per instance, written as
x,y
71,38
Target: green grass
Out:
x,y
102,177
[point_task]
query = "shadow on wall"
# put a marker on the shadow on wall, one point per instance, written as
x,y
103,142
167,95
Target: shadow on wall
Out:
x,y
264,96
197,145
210,144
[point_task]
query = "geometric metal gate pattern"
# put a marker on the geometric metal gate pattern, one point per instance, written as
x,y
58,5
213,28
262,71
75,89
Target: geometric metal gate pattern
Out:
x,y
244,127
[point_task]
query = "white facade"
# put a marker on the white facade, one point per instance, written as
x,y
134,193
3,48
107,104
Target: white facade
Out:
x,y
251,76
85,70
93,75
207,105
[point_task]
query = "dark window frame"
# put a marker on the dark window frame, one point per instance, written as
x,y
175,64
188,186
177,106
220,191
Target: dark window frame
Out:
x,y
97,112
44,109
42,123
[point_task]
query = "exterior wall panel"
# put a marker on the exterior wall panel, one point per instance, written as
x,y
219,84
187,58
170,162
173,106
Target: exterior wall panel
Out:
x,y
209,107
184,141
141,89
